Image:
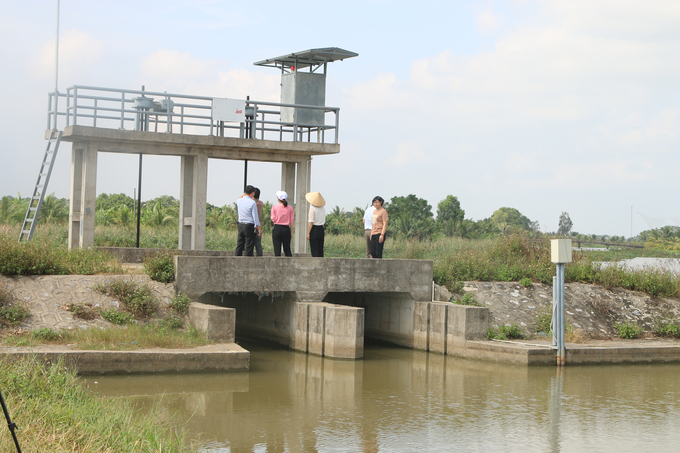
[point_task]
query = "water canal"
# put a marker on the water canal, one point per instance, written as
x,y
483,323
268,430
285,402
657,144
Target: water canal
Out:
x,y
399,400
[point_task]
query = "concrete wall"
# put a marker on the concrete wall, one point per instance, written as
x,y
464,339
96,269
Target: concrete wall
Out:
x,y
389,317
315,327
218,323
315,278
446,328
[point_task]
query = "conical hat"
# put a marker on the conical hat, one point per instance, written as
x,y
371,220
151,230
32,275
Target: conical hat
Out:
x,y
316,199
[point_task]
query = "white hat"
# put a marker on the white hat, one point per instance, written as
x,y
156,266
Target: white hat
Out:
x,y
281,195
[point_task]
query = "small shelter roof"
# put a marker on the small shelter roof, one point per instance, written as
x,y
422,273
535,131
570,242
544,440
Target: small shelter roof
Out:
x,y
307,58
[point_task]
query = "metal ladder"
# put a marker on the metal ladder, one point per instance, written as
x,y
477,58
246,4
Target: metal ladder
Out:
x,y
34,204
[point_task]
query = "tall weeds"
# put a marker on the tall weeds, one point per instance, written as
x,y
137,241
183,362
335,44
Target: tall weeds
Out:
x,y
55,413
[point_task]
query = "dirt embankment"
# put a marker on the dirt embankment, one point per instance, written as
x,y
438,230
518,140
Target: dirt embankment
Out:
x,y
592,309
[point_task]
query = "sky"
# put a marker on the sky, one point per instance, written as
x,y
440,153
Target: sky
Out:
x,y
543,106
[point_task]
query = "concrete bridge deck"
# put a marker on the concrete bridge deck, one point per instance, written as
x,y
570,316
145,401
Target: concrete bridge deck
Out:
x,y
326,306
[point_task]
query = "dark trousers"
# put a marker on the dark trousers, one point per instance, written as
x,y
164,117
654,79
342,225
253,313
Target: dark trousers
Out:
x,y
316,240
281,237
367,233
377,246
258,244
246,239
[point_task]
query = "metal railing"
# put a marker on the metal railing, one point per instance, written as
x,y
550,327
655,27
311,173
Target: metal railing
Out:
x,y
114,108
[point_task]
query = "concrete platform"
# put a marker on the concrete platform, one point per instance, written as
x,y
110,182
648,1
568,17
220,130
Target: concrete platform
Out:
x,y
533,353
213,357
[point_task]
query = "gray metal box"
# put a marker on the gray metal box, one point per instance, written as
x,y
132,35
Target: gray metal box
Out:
x,y
303,88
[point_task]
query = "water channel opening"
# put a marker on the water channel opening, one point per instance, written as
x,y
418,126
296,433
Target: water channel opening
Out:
x,y
388,317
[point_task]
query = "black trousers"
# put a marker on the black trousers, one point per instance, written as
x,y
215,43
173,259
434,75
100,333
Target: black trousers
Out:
x,y
281,237
377,246
316,240
246,239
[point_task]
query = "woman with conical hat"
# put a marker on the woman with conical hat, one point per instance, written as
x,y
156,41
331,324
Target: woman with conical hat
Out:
x,y
317,219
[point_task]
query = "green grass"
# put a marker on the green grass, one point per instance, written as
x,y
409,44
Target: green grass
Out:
x,y
505,332
12,311
161,334
48,254
505,258
626,253
54,413
628,330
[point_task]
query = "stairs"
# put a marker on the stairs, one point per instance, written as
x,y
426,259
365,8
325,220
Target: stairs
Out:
x,y
34,204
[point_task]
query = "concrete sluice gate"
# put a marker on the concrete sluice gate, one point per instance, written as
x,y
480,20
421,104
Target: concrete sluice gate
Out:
x,y
320,306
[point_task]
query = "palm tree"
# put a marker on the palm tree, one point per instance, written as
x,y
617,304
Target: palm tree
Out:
x,y
53,209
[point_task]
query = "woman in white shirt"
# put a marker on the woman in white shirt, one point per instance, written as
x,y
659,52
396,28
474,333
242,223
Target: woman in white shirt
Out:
x,y
317,219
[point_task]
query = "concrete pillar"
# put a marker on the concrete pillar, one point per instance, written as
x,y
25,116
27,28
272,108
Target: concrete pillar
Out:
x,y
88,196
317,319
302,185
438,327
465,323
288,181
301,329
76,196
192,202
421,325
83,195
344,334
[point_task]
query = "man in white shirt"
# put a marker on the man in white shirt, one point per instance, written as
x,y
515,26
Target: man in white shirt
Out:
x,y
367,229
248,223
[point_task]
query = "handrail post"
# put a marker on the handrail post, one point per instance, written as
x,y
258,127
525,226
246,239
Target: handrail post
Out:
x,y
75,105
122,110
337,125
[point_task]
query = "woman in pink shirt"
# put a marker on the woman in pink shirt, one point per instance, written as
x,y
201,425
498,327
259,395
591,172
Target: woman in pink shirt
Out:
x,y
282,216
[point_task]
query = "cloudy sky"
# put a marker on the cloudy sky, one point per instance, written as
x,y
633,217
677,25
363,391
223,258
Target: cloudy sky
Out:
x,y
543,106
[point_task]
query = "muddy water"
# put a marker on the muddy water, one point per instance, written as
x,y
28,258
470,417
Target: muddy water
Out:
x,y
398,400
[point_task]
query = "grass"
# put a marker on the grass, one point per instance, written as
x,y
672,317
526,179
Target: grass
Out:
x,y
467,299
54,412
138,299
12,311
47,254
628,330
161,334
506,332
506,258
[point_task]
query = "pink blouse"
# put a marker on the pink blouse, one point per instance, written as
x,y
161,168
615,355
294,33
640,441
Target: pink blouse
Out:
x,y
282,215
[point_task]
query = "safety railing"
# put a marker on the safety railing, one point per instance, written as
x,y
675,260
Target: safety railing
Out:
x,y
114,108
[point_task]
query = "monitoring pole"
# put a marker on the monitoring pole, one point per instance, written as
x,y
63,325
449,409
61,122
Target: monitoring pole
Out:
x,y
560,252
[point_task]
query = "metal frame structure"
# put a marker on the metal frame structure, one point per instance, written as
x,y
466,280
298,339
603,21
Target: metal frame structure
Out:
x,y
312,59
116,108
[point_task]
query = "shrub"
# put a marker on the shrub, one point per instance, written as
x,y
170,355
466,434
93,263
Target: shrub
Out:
x,y
667,328
543,320
628,330
83,311
512,331
467,299
42,256
161,267
137,298
526,282
46,334
509,332
171,323
180,303
12,311
117,317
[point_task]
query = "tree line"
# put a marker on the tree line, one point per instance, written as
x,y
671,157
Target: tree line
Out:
x,y
410,218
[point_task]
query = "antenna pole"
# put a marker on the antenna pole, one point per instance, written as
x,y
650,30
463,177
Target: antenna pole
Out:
x,y
56,58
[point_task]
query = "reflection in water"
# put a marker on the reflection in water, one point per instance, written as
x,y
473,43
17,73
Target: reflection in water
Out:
x,y
399,400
